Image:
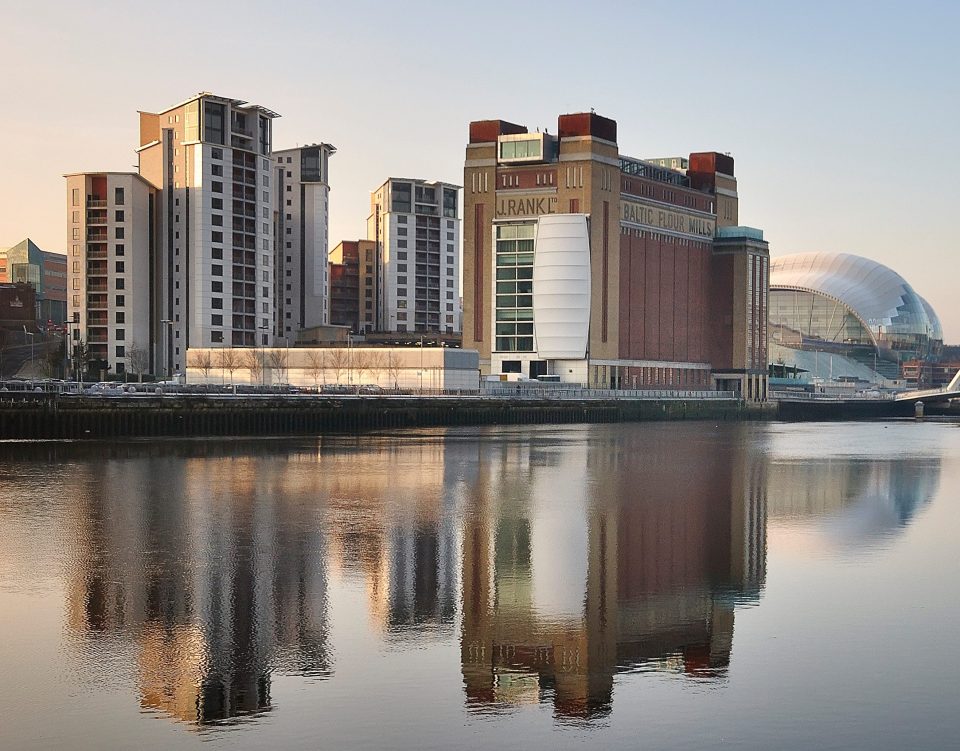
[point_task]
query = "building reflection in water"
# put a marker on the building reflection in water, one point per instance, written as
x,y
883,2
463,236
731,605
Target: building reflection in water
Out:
x,y
624,551
566,555
213,567
850,505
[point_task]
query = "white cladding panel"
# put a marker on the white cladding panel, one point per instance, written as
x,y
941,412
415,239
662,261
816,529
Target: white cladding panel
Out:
x,y
561,286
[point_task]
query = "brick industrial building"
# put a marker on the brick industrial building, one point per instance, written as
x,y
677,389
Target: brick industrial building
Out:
x,y
597,268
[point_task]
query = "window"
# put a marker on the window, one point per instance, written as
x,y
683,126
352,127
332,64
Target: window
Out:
x,y
216,303
76,250
288,191
216,269
402,231
119,249
120,301
118,232
402,304
216,170
216,203
400,267
449,282
216,286
216,153
119,335
266,276
400,280
216,237
401,220
218,254
121,316
118,216
76,233
216,186
76,283
216,337
289,202
76,197
402,255
121,352
216,320
401,243
118,196
119,283
119,267
289,245
401,292
449,236
217,220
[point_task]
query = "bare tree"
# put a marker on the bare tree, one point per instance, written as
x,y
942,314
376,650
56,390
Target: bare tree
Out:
x,y
361,363
138,359
393,368
253,360
278,361
336,358
229,360
376,365
315,366
202,360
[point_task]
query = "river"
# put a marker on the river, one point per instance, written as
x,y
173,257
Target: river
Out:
x,y
655,585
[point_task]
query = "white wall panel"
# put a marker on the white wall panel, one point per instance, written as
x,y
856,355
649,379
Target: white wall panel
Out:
x,y
561,286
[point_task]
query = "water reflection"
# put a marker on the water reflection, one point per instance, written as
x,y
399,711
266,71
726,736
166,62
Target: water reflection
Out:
x,y
213,569
851,505
581,560
558,558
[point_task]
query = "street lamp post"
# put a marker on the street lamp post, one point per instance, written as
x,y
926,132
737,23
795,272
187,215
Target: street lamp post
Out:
x,y
31,335
421,364
260,347
168,327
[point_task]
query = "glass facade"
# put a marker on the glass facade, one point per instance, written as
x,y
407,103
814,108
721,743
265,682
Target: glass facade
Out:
x,y
520,149
844,303
803,320
514,287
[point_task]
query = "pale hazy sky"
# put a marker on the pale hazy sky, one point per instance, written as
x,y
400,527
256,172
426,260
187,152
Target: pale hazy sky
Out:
x,y
842,116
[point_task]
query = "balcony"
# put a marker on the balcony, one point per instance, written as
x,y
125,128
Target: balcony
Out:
x,y
98,319
96,217
96,203
96,236
92,287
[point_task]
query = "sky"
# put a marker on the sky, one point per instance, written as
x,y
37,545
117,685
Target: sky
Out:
x,y
841,116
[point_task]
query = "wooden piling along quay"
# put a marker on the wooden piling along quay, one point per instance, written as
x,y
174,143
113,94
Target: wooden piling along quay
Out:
x,y
143,417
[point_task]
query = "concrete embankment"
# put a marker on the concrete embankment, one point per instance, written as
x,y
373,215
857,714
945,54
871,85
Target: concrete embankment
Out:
x,y
98,417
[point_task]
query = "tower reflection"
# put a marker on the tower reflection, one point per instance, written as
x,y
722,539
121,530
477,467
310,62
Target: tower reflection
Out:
x,y
626,550
213,571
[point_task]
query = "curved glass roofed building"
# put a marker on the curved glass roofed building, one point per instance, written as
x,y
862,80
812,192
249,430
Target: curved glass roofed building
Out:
x,y
850,306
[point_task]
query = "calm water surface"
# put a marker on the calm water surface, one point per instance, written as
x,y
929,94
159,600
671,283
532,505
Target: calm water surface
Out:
x,y
662,586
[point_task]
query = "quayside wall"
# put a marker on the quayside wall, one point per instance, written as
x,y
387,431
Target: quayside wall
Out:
x,y
98,417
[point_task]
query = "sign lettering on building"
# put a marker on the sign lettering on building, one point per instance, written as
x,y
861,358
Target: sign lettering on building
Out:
x,y
526,205
672,220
